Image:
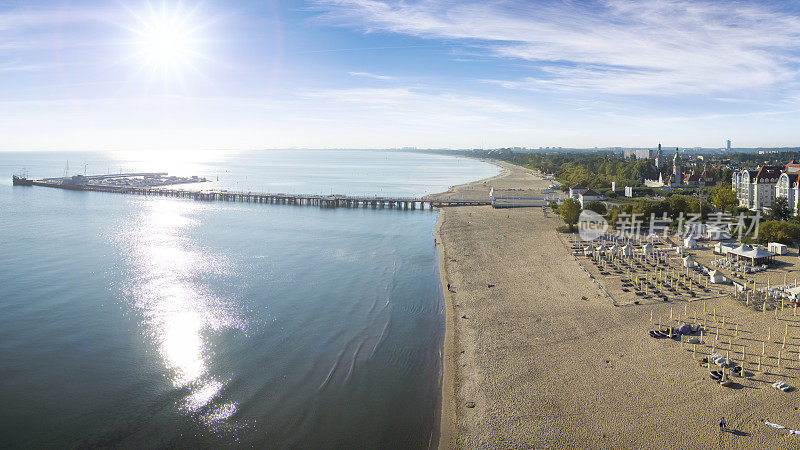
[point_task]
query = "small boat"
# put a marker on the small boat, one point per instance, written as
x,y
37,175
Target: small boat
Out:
x,y
21,181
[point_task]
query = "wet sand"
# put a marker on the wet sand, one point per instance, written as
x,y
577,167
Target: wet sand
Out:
x,y
543,358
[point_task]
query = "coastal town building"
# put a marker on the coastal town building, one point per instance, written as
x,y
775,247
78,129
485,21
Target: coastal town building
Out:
x,y
787,187
75,180
702,179
676,166
588,195
575,191
583,195
756,189
637,153
793,167
658,162
675,178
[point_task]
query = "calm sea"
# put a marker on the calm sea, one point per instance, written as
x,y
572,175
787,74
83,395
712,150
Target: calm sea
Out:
x,y
135,321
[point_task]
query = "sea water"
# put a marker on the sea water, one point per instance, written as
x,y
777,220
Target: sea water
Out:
x,y
144,321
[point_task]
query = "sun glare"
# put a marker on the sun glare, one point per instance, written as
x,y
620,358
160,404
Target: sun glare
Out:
x,y
167,43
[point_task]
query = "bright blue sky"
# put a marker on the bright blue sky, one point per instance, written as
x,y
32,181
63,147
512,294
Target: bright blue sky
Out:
x,y
129,75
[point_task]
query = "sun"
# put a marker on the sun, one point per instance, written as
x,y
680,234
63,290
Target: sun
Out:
x,y
167,41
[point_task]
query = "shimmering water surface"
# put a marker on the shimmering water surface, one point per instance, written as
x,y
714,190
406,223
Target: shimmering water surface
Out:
x,y
142,321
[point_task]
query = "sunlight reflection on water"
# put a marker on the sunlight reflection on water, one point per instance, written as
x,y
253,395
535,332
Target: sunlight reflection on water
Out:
x,y
152,322
178,310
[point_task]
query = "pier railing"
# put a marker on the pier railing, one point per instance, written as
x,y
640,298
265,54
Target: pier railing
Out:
x,y
324,201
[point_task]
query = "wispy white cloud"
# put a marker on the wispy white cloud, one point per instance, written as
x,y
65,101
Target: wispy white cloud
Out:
x,y
703,118
413,100
28,28
19,67
612,46
370,75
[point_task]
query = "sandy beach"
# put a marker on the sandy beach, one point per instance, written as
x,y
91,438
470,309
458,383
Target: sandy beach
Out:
x,y
537,355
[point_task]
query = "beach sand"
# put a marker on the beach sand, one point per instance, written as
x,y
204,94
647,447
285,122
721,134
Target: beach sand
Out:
x,y
543,358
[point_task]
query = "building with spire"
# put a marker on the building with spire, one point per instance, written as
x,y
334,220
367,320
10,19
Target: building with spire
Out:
x,y
658,161
676,165
676,179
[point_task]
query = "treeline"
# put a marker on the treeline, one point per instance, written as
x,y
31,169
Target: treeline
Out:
x,y
598,169
595,170
754,159
778,226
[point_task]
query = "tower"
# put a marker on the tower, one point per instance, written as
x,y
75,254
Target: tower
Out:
x,y
658,157
728,145
676,168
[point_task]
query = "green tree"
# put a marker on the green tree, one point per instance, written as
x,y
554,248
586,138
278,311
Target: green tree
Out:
x,y
597,206
723,197
781,209
643,209
678,204
698,206
570,211
620,210
778,231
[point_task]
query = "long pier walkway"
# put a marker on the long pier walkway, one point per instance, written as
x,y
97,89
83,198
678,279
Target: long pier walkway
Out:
x,y
324,201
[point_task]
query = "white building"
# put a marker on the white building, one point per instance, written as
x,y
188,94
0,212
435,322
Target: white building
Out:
x,y
740,183
778,248
587,196
575,191
787,187
716,277
755,189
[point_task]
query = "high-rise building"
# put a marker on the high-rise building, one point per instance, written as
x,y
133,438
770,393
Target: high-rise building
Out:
x,y
728,146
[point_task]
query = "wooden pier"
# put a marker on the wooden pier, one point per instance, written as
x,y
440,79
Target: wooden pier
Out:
x,y
323,201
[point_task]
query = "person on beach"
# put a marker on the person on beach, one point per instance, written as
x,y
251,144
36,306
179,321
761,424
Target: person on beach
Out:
x,y
722,424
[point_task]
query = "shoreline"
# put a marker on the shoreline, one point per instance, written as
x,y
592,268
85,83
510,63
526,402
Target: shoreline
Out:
x,y
446,426
536,354
447,407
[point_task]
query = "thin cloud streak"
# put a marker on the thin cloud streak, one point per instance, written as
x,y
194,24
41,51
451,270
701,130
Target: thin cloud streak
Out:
x,y
20,67
27,33
411,100
370,75
708,117
614,46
